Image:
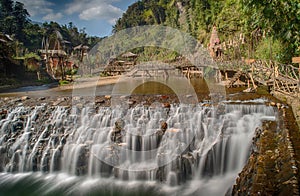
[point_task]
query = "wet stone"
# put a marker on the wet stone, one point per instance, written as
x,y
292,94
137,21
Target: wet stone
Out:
x,y
42,98
17,126
107,96
167,105
163,126
3,114
117,134
24,98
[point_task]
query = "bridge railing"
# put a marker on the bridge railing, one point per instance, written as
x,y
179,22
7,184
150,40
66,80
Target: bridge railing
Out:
x,y
289,70
281,77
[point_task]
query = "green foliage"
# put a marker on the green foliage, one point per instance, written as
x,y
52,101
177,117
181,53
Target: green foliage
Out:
x,y
32,55
15,22
155,54
30,60
19,54
71,71
14,18
279,19
270,49
63,82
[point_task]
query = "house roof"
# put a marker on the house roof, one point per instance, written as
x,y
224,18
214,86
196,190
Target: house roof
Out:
x,y
54,52
81,47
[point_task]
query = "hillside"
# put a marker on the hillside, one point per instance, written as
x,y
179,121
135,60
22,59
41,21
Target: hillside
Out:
x,y
262,24
21,39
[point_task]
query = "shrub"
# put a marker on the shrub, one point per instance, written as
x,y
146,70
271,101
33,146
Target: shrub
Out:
x,y
270,49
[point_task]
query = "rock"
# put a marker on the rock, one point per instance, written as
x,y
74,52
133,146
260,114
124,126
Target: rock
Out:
x,y
24,98
42,98
3,114
160,133
16,100
163,126
79,105
249,90
207,105
57,102
76,98
100,101
278,105
117,135
131,102
124,97
167,105
63,141
17,126
119,125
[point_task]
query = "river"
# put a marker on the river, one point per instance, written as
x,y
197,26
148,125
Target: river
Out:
x,y
185,148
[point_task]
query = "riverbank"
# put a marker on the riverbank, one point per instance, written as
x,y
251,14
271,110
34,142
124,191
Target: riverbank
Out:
x,y
294,102
273,166
13,85
89,82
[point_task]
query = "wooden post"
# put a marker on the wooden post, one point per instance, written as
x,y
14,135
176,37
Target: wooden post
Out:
x,y
297,60
274,74
252,80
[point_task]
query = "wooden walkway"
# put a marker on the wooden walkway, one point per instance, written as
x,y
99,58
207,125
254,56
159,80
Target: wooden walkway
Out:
x,y
154,69
278,77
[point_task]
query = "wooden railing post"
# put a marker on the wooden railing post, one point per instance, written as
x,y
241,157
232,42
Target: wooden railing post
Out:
x,y
299,79
297,60
274,75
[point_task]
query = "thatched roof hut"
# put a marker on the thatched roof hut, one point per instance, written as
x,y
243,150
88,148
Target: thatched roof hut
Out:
x,y
81,47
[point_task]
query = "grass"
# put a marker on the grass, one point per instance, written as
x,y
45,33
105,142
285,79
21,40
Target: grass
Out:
x,y
63,82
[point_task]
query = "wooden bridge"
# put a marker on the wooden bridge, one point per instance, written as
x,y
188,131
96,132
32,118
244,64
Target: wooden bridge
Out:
x,y
153,69
278,77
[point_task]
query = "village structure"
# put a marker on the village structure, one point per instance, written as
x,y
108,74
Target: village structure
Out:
x,y
61,60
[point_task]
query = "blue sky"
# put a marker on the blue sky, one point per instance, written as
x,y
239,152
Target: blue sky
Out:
x,y
97,16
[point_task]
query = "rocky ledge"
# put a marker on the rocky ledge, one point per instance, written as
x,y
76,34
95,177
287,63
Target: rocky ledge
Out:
x,y
273,166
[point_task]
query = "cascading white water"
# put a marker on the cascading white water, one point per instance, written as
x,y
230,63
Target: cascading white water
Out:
x,y
198,145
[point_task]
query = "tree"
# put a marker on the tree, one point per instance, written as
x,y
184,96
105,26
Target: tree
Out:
x,y
6,19
21,20
280,19
6,7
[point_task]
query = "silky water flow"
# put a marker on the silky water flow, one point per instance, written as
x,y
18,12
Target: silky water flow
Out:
x,y
181,150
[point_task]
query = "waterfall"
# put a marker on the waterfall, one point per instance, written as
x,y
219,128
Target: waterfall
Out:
x,y
190,146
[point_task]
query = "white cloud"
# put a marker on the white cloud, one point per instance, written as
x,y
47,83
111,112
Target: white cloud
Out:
x,y
36,7
104,11
53,16
95,9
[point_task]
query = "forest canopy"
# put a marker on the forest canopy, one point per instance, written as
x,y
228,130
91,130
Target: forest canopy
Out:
x,y
15,21
278,22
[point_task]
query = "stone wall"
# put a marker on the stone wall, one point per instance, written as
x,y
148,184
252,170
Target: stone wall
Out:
x,y
293,102
272,168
